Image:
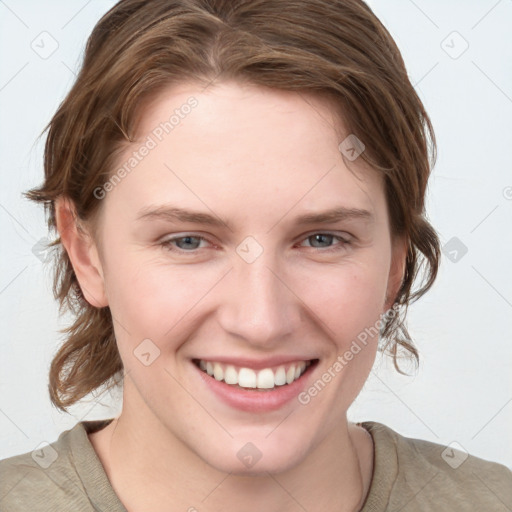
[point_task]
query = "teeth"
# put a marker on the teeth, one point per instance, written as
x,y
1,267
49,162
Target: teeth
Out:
x,y
299,370
280,376
230,375
266,378
247,378
218,372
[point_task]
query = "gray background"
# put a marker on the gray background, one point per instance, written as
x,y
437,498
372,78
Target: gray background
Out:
x,y
462,327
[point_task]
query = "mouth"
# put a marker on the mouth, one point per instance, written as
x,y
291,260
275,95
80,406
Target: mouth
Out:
x,y
257,380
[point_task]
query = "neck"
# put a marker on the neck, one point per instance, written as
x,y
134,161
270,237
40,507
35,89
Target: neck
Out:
x,y
159,470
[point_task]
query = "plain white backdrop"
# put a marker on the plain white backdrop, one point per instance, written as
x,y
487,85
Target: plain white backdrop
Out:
x,y
458,56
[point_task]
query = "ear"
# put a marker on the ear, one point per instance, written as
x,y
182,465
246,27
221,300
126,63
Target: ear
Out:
x,y
399,249
82,252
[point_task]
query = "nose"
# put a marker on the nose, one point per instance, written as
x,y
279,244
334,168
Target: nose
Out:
x,y
259,306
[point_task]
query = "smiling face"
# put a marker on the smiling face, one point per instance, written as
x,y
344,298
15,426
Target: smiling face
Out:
x,y
254,282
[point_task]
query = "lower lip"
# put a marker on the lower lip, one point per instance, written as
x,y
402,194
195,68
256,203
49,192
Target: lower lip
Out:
x,y
256,401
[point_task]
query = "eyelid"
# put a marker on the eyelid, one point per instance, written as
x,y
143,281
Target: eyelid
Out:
x,y
343,234
344,240
178,236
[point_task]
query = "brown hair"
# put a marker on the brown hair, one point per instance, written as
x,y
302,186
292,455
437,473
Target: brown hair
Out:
x,y
332,48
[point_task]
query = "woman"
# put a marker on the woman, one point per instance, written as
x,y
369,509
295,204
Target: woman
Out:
x,y
238,189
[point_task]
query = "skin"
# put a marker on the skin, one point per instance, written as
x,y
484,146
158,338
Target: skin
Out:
x,y
256,158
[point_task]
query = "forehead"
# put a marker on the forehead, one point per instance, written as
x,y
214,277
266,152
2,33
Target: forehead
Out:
x,y
239,111
247,149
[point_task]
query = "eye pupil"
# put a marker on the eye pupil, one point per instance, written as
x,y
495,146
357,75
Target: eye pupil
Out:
x,y
192,244
319,236
187,239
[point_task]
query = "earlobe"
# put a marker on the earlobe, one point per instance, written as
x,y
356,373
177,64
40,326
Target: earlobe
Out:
x,y
82,252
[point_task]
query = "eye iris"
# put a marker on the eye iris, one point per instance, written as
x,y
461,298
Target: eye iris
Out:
x,y
187,238
320,235
321,238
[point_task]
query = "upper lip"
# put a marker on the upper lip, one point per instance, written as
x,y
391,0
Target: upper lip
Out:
x,y
256,364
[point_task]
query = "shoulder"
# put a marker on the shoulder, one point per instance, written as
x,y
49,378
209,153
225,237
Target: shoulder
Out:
x,y
45,479
427,472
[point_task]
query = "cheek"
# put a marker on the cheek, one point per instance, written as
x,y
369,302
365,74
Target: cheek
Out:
x,y
151,299
347,298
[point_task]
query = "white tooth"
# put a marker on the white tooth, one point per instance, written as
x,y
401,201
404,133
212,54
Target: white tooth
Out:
x,y
209,368
302,367
290,374
280,376
266,379
297,371
218,372
202,364
230,375
247,378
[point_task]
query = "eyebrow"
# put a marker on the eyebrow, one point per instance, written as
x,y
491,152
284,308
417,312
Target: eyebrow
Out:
x,y
173,214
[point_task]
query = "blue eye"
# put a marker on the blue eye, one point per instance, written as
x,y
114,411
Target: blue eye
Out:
x,y
328,237
191,244
187,242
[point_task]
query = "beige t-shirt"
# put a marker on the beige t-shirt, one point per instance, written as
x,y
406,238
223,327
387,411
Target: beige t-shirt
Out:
x,y
409,475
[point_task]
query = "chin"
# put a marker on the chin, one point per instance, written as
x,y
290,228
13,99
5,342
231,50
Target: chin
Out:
x,y
257,457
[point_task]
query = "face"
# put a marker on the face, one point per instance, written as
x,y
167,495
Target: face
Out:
x,y
252,288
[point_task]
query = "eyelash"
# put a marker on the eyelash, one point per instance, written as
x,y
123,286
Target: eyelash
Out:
x,y
167,244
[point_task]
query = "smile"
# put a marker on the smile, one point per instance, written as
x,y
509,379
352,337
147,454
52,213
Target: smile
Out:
x,y
247,378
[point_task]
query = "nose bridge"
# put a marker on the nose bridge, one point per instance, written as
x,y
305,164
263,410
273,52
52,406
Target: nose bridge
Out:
x,y
259,307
